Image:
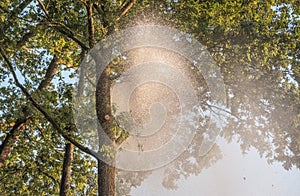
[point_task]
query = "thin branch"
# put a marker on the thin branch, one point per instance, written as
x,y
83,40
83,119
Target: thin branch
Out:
x,y
12,136
45,173
104,21
70,34
226,111
101,12
44,9
24,39
91,28
125,8
90,81
46,115
60,24
124,4
62,28
50,73
49,176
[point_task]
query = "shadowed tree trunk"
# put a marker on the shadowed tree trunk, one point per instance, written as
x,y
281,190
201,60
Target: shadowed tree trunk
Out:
x,y
106,172
106,179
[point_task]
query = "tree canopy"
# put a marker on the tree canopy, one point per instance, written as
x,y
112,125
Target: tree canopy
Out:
x,y
255,44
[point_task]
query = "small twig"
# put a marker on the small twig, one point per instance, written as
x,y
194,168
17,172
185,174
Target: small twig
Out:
x,y
44,8
226,111
92,83
125,8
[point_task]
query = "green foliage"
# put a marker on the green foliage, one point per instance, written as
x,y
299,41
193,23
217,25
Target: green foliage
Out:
x,y
255,43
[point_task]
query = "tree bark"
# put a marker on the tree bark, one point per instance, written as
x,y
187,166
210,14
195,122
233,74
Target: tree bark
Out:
x,y
66,170
106,179
106,172
11,138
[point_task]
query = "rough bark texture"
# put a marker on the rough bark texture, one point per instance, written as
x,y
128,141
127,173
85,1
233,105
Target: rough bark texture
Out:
x,y
106,179
66,170
106,173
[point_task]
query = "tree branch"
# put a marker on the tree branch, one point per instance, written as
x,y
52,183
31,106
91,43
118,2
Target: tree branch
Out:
x,y
40,109
70,34
91,28
50,73
5,148
104,21
222,109
44,9
45,173
12,136
62,28
125,8
24,39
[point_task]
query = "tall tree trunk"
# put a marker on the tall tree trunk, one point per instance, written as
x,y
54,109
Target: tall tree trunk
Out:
x,y
66,171
106,172
106,179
